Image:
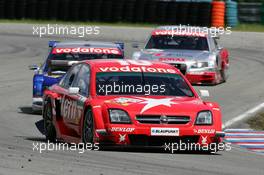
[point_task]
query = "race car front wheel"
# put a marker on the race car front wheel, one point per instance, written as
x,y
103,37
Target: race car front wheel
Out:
x,y
88,127
50,131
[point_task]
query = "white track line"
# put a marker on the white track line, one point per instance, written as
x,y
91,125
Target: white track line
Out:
x,y
243,116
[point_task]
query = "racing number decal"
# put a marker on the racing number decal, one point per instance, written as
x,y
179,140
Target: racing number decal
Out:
x,y
133,62
70,109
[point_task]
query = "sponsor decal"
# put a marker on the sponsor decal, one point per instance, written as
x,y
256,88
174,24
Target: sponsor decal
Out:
x,y
122,138
152,102
114,51
125,101
172,59
204,139
165,131
136,66
71,110
175,32
121,129
204,131
136,69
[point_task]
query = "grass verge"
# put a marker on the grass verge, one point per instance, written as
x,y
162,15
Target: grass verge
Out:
x,y
257,121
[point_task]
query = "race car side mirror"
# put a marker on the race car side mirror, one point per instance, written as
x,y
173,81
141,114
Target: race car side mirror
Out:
x,y
33,67
74,90
204,93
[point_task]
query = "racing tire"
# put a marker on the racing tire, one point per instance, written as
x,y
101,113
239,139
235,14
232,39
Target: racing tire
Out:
x,y
88,128
50,131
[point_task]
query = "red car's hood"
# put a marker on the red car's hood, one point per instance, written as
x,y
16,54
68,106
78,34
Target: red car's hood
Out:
x,y
153,105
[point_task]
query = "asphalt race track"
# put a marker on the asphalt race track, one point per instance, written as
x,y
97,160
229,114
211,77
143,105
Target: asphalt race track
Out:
x,y
18,132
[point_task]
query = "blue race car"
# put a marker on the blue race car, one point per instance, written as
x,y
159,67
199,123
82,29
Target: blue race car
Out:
x,y
60,58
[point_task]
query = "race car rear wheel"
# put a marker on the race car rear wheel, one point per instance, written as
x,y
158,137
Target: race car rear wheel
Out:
x,y
88,127
50,130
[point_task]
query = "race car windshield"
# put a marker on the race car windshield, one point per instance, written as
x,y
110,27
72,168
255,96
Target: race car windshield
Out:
x,y
138,83
177,42
76,57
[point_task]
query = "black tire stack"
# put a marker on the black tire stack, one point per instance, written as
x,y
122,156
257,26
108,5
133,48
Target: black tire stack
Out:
x,y
106,11
20,7
53,9
150,11
2,9
117,10
74,8
63,10
161,11
96,10
42,9
85,10
193,13
172,16
183,13
31,8
129,9
139,11
204,17
10,9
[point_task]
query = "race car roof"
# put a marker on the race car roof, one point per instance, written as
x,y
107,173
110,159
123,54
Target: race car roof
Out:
x,y
86,44
114,65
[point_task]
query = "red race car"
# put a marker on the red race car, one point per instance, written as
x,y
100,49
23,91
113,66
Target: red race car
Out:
x,y
128,102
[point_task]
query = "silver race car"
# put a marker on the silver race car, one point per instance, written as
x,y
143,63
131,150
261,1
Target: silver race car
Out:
x,y
195,53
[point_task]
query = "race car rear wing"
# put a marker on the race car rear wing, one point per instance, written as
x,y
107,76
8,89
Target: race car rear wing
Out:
x,y
52,43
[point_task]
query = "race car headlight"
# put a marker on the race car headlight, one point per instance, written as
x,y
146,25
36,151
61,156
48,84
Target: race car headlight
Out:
x,y
203,64
204,118
118,116
200,65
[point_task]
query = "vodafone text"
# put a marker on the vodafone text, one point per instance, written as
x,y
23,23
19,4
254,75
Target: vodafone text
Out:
x,y
114,51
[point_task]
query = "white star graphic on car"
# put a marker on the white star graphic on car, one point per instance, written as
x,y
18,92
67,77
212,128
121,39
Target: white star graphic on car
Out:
x,y
152,102
122,137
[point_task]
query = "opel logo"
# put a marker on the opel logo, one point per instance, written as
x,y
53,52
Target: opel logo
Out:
x,y
164,119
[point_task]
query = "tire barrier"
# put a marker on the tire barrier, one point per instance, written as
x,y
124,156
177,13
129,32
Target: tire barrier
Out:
x,y
249,12
74,10
196,13
42,9
63,10
218,14
31,8
117,10
204,14
10,9
129,9
262,14
193,13
150,11
231,14
20,7
106,9
2,9
161,11
172,15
